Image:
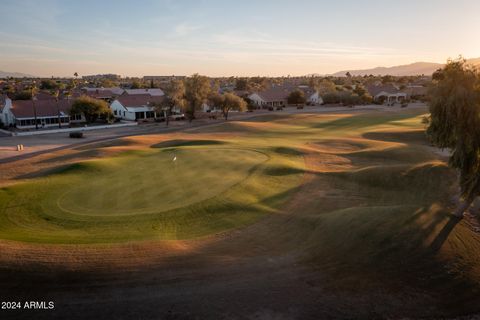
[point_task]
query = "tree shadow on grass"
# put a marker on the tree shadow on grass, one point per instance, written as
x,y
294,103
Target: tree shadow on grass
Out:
x,y
361,121
186,143
412,136
94,153
443,235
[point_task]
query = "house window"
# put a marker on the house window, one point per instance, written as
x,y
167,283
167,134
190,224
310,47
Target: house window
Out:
x,y
150,114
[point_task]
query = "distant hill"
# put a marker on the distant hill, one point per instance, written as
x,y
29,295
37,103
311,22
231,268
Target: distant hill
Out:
x,y
5,74
417,68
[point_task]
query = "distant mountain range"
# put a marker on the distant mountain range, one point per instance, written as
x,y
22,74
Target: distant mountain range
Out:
x,y
417,68
5,74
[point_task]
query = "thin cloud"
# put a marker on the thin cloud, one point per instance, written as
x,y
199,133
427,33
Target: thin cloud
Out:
x,y
185,29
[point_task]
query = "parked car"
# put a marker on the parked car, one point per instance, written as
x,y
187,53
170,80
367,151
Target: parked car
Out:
x,y
76,134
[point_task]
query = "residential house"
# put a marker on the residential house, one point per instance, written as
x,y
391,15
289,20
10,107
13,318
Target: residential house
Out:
x,y
387,93
101,94
136,107
312,96
277,96
23,114
273,97
416,91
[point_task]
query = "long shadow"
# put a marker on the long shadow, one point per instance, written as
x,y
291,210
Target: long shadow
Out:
x,y
442,236
412,136
359,121
69,157
186,143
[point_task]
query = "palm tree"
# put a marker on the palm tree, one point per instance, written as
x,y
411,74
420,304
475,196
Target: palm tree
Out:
x,y
75,82
56,93
33,104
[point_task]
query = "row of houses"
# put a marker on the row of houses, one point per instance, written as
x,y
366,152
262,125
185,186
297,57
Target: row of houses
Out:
x,y
139,104
45,111
385,93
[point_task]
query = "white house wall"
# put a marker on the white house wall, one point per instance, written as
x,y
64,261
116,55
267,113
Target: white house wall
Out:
x,y
119,111
257,100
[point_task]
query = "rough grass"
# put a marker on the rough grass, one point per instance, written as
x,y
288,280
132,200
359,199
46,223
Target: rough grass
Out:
x,y
359,197
383,220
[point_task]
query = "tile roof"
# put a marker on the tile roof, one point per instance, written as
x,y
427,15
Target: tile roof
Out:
x,y
100,94
115,90
149,91
138,100
45,108
274,94
374,90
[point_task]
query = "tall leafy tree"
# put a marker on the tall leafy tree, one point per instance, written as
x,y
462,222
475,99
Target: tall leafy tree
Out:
x,y
241,84
49,84
227,102
232,102
454,124
296,97
174,97
91,108
326,87
197,90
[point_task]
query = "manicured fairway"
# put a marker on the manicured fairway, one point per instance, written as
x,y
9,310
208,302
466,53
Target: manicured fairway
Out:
x,y
156,193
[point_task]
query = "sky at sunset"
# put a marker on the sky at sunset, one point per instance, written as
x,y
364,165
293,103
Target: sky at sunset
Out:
x,y
222,38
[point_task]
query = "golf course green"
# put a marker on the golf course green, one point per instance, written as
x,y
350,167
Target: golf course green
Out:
x,y
173,192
